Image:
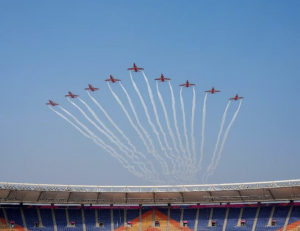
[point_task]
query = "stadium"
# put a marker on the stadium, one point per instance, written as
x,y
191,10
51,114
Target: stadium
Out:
x,y
244,206
142,115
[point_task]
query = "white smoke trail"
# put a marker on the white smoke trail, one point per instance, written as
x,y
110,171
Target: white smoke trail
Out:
x,y
61,115
192,123
151,124
203,131
184,128
138,122
107,135
155,112
168,125
98,141
136,116
175,118
110,133
217,143
116,126
129,118
224,139
137,130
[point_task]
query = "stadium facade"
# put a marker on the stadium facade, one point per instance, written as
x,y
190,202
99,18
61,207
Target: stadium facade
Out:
x,y
244,206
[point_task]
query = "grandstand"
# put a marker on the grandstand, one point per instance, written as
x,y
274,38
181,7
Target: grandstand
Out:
x,y
246,206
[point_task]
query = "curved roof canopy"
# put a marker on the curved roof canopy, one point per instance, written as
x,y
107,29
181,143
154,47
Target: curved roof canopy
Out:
x,y
164,194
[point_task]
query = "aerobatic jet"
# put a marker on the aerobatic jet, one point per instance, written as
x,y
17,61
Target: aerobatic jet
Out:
x,y
52,103
91,88
71,95
236,98
112,79
135,68
212,91
187,84
162,78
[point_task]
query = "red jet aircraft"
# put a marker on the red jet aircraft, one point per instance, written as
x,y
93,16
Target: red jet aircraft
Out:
x,y
135,68
162,78
212,91
52,103
112,79
91,88
236,98
187,84
71,95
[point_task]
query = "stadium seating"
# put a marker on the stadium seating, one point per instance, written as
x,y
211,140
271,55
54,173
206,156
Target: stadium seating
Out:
x,y
189,215
47,219
114,218
263,218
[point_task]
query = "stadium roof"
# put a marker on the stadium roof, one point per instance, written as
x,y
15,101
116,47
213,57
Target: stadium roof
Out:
x,y
270,191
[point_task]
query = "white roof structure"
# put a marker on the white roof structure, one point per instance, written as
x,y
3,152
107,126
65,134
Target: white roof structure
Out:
x,y
270,191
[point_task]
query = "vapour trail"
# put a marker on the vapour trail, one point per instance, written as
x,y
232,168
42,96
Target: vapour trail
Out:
x,y
175,118
108,136
224,139
217,143
136,117
166,169
203,131
155,112
139,124
61,115
168,125
192,124
184,128
110,133
100,143
133,125
129,118
116,126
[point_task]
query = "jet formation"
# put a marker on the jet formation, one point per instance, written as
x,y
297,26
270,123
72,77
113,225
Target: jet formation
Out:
x,y
135,68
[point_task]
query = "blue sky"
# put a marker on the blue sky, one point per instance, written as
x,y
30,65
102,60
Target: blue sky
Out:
x,y
50,47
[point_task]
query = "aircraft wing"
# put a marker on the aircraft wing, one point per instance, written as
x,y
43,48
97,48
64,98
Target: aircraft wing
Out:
x,y
129,69
158,79
139,68
87,89
117,79
108,80
167,79
192,84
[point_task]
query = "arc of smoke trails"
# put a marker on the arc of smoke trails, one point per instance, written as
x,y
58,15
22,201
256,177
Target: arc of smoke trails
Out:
x,y
168,124
151,124
129,118
119,158
102,143
167,118
139,124
137,118
116,126
155,112
217,143
175,118
157,157
203,130
106,134
140,164
184,127
192,123
224,138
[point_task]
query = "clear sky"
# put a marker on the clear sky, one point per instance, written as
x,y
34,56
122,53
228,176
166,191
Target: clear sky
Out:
x,y
50,47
